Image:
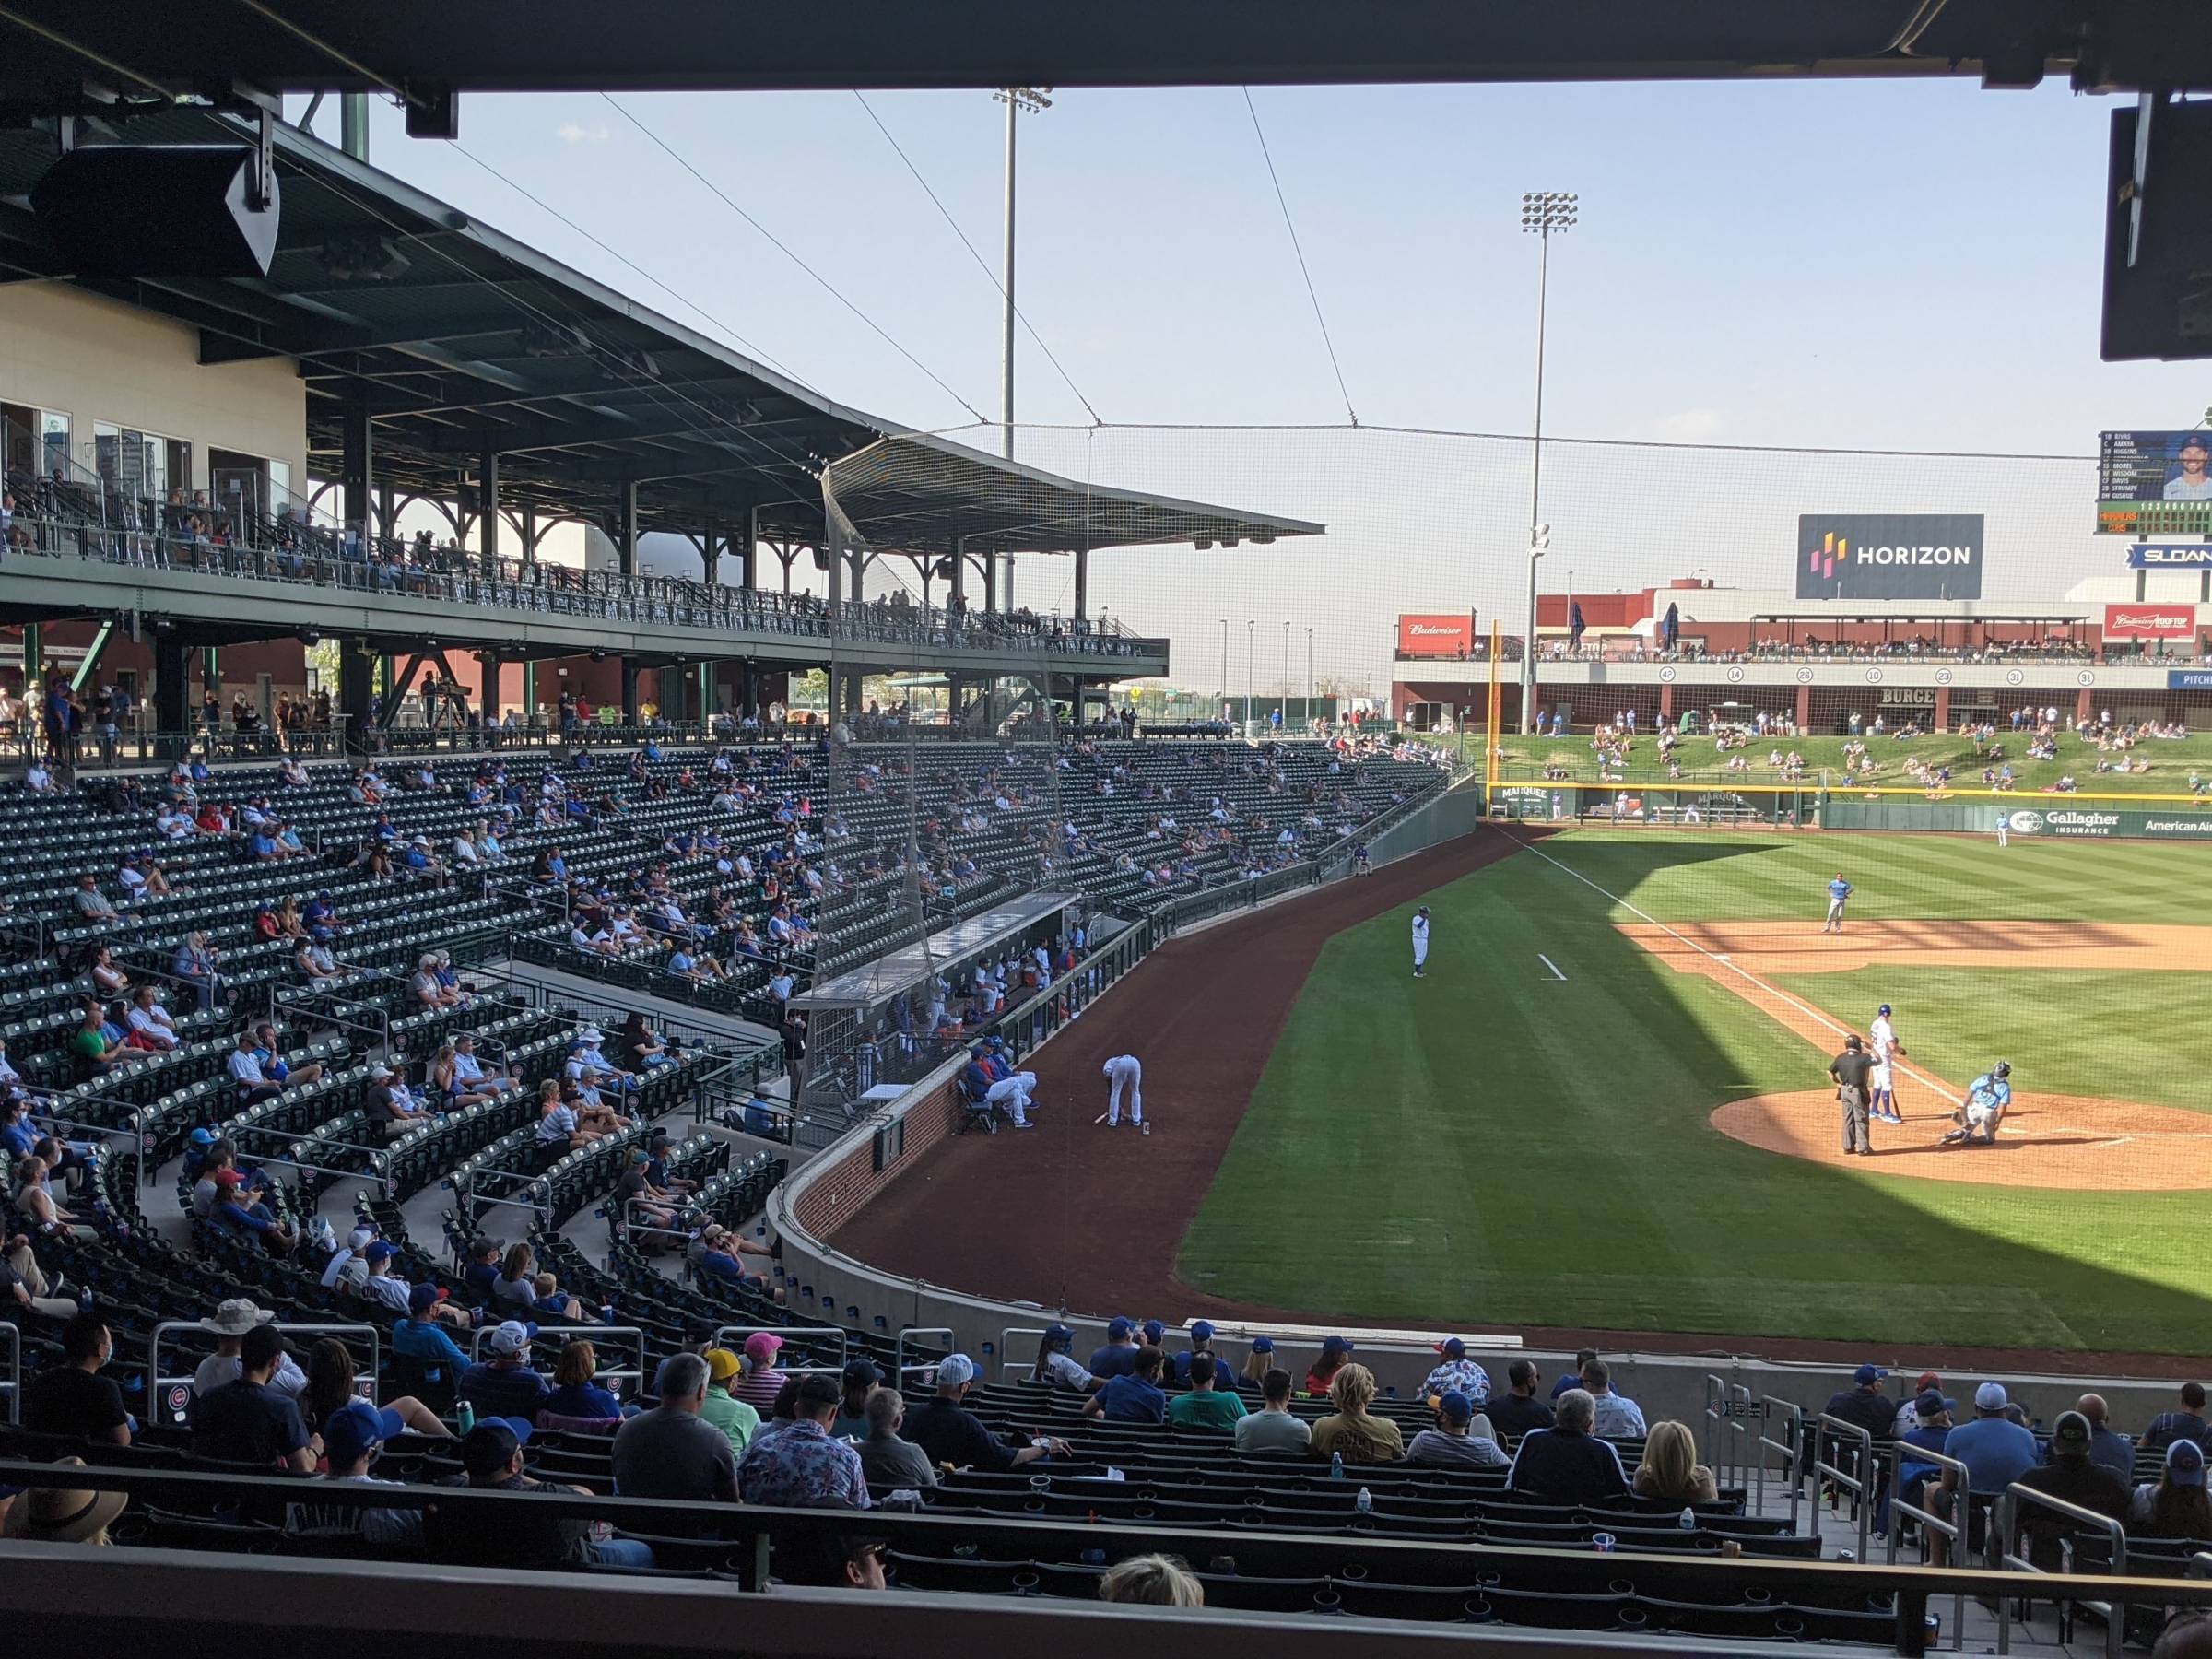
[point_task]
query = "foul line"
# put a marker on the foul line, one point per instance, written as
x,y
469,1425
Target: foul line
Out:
x,y
1774,991
1550,964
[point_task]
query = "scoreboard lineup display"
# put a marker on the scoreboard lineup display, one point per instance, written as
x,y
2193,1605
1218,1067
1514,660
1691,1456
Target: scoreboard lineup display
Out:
x,y
2154,484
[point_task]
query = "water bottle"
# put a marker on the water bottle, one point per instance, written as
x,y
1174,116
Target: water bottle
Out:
x,y
1335,1466
1689,1519
1365,1503
466,1415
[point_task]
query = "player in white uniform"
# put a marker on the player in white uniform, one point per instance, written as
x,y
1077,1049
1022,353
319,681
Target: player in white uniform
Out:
x,y
1881,1041
1421,942
1128,1072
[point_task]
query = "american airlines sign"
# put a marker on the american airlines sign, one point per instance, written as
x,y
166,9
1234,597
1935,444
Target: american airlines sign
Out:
x,y
1889,556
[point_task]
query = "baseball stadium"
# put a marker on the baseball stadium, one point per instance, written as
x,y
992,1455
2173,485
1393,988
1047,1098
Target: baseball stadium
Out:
x,y
642,1010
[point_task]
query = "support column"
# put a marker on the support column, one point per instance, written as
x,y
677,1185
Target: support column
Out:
x,y
629,691
1804,710
1943,708
991,581
357,465
356,693
34,665
2085,704
626,527
211,669
711,549
860,569
172,708
488,511
1667,701
959,572
529,536
747,530
529,690
1082,582
706,693
749,687
488,662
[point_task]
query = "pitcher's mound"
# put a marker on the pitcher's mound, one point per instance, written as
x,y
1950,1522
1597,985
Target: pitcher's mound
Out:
x,y
2075,1143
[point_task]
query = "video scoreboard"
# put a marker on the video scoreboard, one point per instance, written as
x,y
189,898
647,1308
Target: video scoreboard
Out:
x,y
2152,484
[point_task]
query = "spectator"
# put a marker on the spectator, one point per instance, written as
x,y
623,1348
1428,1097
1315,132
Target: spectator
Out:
x,y
2188,1423
1205,1405
1519,1412
1931,1429
355,1432
1274,1428
1995,1450
1908,1409
1135,1395
1457,1373
2107,1450
1334,1352
670,1451
1864,1405
1670,1471
861,1379
804,1466
2071,1475
503,1383
253,1085
576,1393
1461,1438
421,1336
886,1456
951,1435
2173,1506
1057,1366
513,1288
392,1108
65,1515
1202,1338
1118,1356
248,1421
482,1273
230,1322
1572,1379
331,1374
23,1283
72,1400
491,1460
1350,1430
738,1421
1568,1463
763,1381
1158,1580
1618,1417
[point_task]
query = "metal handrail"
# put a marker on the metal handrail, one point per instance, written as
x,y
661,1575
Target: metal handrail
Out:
x,y
1793,1415
1859,1485
592,1334
2008,1516
1955,1531
1739,1407
156,1382
906,1333
1004,1343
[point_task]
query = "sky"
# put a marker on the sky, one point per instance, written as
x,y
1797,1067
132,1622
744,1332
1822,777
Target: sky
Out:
x,y
1909,265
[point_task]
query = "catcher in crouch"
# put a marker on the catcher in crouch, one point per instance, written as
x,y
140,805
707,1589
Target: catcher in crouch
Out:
x,y
1987,1097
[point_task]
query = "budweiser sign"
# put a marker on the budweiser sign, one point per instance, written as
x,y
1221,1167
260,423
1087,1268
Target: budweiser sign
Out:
x,y
2149,622
1437,636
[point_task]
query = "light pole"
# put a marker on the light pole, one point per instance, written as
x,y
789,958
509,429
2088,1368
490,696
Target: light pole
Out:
x,y
1543,213
1017,99
1252,636
1286,703
1225,695
1309,677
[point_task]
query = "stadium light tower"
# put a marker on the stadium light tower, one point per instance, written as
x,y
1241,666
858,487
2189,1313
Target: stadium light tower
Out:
x,y
1251,638
1018,101
1225,691
1543,212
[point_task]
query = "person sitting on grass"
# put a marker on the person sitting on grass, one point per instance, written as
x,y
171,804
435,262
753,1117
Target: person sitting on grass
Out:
x,y
1351,1431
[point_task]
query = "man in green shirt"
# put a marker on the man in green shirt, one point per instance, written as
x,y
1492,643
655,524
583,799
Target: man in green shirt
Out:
x,y
724,1410
1204,1406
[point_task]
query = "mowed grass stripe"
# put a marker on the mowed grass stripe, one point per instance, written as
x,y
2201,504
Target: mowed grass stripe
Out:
x,y
1491,1145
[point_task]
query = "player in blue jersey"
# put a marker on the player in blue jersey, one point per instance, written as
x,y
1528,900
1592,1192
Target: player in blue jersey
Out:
x,y
1837,892
1987,1098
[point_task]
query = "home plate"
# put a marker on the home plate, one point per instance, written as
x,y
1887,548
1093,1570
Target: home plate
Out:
x,y
1720,958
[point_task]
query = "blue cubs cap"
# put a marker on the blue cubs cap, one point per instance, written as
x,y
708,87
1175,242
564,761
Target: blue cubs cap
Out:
x,y
1883,1010
1058,1332
1154,1331
1338,1344
1263,1344
1203,1330
1869,1373
203,1137
353,1429
1451,1347
1933,1403
379,1251
1456,1407
1118,1331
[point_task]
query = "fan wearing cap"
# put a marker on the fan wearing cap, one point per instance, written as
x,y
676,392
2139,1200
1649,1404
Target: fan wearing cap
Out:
x,y
2173,1506
388,1289
1461,1438
491,1460
804,1465
1118,1357
230,1322
503,1383
1202,1340
722,1408
1908,1408
1458,1374
951,1435
428,993
2072,1477
345,1262
762,1379
1334,1352
249,1421
1864,1405
1057,1366
393,1107
352,1435
1995,1449
862,1378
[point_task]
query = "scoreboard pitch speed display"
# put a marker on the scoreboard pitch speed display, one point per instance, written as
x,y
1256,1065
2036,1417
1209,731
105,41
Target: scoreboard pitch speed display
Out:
x,y
2154,484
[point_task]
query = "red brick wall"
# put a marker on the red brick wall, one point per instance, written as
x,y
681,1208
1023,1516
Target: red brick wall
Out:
x,y
841,1189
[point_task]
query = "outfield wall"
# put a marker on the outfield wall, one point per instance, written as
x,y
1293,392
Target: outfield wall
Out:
x,y
2048,816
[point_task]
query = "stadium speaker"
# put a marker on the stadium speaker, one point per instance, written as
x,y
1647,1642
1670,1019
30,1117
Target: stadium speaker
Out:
x,y
2157,237
122,210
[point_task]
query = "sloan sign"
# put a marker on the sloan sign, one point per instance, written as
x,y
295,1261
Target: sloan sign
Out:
x,y
1442,635
2149,622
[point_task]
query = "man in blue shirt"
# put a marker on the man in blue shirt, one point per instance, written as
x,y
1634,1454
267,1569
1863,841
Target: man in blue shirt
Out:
x,y
1135,1397
1987,1099
1119,1355
1839,890
1202,1340
1995,1450
503,1384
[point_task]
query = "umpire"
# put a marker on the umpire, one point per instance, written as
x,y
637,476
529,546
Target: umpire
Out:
x,y
1849,1070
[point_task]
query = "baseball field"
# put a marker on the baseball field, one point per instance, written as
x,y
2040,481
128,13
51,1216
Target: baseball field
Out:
x,y
1607,1104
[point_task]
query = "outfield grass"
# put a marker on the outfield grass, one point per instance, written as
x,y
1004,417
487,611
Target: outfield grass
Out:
x,y
1493,1146
2172,761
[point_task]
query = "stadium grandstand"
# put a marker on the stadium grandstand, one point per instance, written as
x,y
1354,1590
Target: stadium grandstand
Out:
x,y
549,1101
